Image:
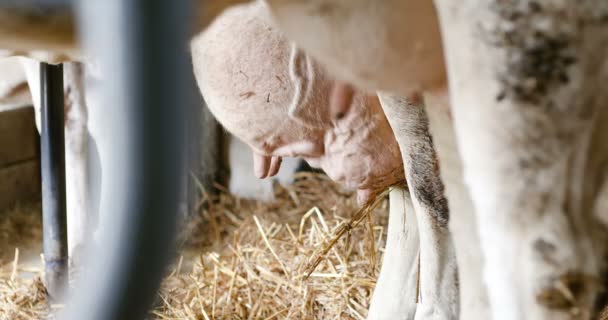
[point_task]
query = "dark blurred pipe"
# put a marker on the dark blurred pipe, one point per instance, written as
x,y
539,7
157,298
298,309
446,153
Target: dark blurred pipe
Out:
x,y
142,51
52,157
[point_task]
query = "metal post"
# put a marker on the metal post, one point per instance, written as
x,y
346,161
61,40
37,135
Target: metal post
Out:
x,y
142,47
52,145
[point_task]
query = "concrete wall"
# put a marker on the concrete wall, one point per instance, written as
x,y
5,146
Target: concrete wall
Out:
x,y
19,157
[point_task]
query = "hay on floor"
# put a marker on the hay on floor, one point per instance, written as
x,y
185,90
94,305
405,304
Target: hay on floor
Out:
x,y
604,315
22,294
259,268
243,259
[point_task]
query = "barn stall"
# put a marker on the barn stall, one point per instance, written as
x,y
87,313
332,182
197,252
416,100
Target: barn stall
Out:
x,y
237,258
137,243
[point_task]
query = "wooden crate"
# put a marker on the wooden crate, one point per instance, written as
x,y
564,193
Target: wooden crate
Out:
x,y
19,157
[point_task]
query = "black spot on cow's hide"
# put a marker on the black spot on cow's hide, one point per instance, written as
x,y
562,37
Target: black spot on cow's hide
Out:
x,y
537,58
426,182
545,249
541,43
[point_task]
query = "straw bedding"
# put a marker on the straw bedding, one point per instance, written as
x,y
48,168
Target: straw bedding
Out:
x,y
242,259
21,296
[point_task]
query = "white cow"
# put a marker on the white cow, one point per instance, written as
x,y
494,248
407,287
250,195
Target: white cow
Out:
x,y
529,118
534,158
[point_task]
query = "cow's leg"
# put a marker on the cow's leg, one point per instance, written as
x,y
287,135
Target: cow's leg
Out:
x,y
76,150
438,273
526,83
463,226
396,290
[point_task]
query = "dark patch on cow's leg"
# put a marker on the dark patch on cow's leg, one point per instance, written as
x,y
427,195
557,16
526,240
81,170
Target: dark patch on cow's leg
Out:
x,y
424,167
523,123
564,292
545,250
410,125
428,188
538,56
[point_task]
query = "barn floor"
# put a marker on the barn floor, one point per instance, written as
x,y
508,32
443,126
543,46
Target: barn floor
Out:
x,y
239,259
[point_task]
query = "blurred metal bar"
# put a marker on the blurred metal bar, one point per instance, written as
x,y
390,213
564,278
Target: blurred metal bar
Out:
x,y
142,49
52,156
